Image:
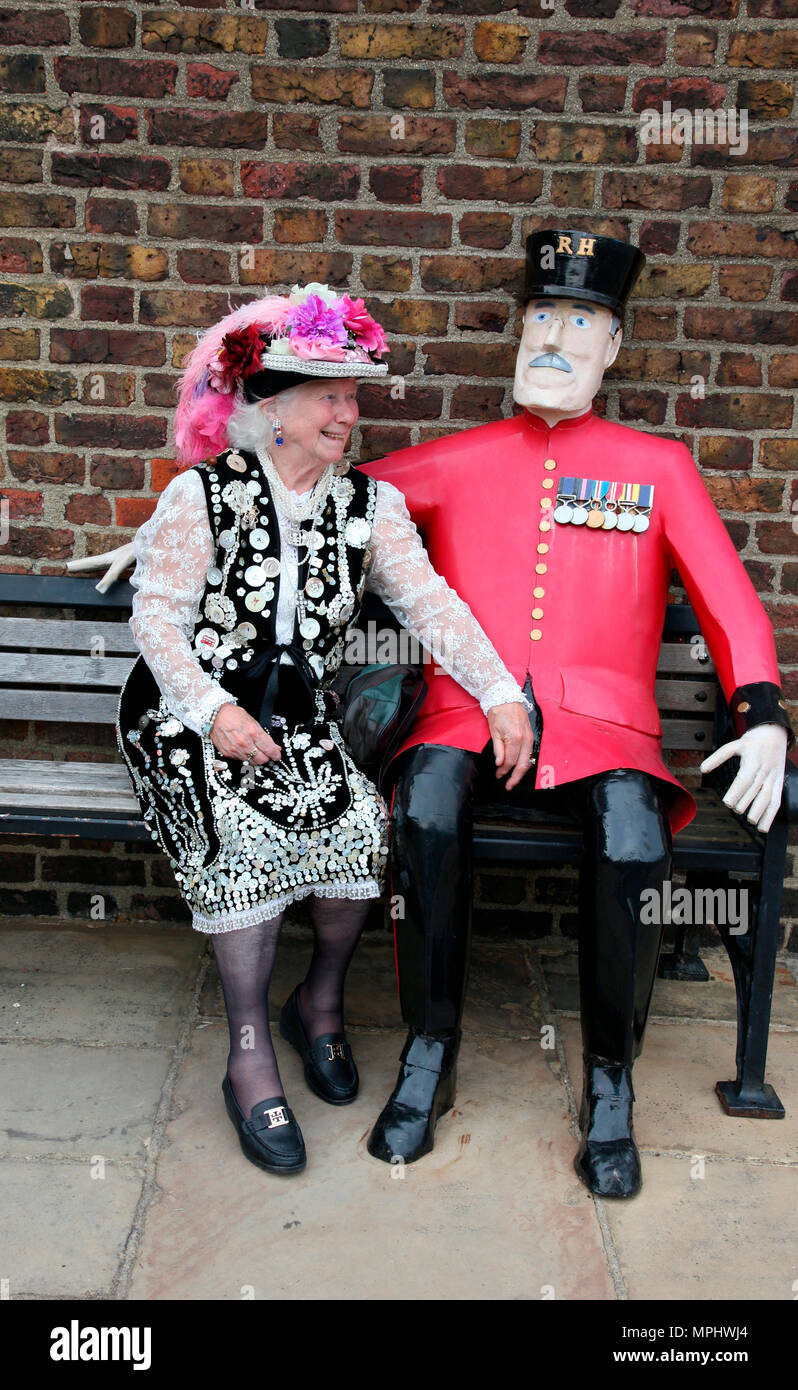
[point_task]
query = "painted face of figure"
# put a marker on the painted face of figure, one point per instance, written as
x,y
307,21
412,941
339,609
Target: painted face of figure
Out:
x,y
566,347
317,419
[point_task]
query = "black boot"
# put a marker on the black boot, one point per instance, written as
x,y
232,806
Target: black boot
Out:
x,y
424,1091
608,1161
627,852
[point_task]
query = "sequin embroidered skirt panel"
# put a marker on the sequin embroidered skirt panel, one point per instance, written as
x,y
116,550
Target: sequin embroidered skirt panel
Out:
x,y
245,842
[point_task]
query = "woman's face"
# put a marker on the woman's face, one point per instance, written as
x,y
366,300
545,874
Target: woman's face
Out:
x,y
317,419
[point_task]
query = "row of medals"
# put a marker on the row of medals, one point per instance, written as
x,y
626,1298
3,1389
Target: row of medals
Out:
x,y
594,517
257,576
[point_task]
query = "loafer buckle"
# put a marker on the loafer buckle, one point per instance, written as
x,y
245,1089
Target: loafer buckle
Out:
x,y
334,1050
276,1117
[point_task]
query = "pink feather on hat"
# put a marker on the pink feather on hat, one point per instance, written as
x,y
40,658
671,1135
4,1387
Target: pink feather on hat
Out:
x,y
202,413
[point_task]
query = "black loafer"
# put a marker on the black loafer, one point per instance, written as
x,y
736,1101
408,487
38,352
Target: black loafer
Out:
x,y
330,1069
271,1137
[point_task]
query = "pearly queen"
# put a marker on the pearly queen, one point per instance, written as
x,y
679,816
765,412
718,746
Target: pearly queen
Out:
x,y
245,841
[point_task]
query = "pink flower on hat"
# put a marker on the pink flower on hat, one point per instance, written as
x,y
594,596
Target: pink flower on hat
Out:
x,y
316,322
366,330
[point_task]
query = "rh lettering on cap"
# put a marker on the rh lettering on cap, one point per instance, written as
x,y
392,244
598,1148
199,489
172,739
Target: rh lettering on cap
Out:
x,y
586,245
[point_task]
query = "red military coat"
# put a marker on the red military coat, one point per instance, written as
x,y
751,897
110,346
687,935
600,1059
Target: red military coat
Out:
x,y
581,610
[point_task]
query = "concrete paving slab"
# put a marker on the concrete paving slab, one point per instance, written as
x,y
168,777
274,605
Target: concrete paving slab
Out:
x,y
109,986
714,998
731,1234
60,1099
63,1230
676,1106
494,1211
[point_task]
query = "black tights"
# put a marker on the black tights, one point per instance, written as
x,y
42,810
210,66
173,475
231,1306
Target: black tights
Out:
x,y
245,959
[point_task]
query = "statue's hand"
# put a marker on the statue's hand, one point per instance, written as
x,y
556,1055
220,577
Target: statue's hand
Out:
x,y
758,785
117,561
512,741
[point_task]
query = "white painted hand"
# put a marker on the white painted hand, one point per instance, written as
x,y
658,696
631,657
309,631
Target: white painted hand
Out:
x,y
117,561
758,785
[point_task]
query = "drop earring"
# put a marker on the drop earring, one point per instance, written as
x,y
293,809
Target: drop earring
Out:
x,y
278,430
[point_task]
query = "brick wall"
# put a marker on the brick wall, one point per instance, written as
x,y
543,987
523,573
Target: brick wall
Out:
x,y
162,164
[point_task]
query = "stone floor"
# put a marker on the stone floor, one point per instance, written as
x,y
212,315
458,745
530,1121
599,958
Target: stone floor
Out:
x,y
122,1177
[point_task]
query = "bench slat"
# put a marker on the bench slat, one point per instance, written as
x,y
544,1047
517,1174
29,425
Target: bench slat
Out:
x,y
67,707
700,696
65,636
87,788
27,668
678,656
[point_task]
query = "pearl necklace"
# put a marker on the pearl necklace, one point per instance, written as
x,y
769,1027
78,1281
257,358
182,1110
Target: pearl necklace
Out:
x,y
291,511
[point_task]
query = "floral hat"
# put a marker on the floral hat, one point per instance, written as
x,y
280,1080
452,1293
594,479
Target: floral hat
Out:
x,y
266,347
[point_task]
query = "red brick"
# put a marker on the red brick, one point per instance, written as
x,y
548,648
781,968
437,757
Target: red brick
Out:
x,y
293,130
22,73
201,267
491,231
322,181
19,256
337,86
725,452
374,135
111,216
744,326
209,129
111,171
461,274
27,427
46,467
671,192
46,27
599,48
470,359
106,26
104,345
598,92
375,227
489,184
506,91
88,509
396,183
735,411
111,431
110,125
209,83
163,470
110,471
118,77
36,210
133,511
205,222
106,303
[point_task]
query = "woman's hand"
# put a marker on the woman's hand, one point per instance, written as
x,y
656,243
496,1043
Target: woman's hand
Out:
x,y
237,735
513,742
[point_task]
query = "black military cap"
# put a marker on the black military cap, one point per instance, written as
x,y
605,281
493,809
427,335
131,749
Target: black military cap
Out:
x,y
578,265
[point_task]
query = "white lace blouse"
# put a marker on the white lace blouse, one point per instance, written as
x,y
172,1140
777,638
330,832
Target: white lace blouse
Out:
x,y
175,548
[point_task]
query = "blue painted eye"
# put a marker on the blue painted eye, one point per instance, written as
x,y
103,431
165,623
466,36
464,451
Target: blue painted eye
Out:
x,y
541,316
579,321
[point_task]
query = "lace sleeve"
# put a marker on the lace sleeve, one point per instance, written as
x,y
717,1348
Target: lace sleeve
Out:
x,y
173,551
402,576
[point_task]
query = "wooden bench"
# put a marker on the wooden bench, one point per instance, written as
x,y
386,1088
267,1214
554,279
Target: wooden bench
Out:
x,y
57,666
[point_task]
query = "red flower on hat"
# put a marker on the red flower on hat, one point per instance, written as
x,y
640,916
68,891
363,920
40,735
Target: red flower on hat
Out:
x,y
238,357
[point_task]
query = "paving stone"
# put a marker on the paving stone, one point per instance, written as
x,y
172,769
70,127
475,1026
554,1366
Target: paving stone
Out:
x,y
63,1230
60,1099
676,1106
494,1211
732,1234
111,986
714,998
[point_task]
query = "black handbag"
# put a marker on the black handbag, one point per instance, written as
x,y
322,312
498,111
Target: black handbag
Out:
x,y
378,705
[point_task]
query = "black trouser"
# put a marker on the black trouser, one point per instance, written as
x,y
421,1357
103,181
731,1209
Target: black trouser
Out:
x,y
628,849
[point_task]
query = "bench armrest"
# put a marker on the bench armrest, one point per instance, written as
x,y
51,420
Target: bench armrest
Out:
x,y
789,796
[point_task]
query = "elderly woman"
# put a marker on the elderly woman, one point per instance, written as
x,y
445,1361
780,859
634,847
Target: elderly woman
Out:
x,y
248,575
